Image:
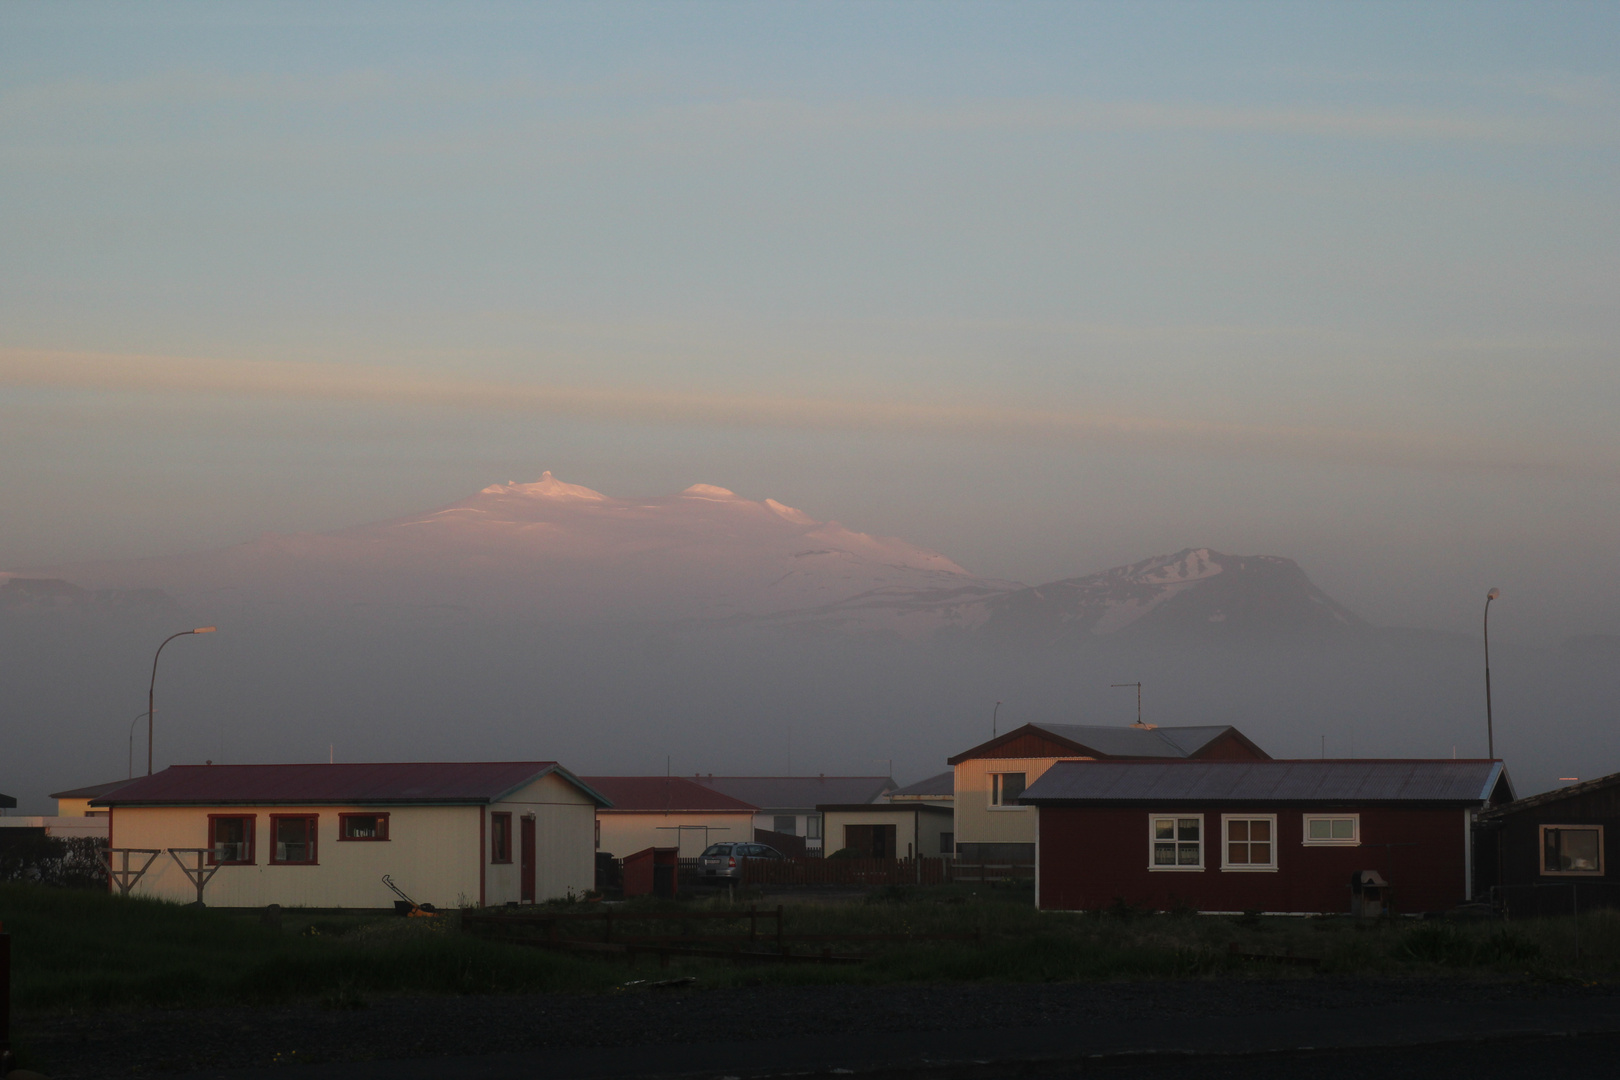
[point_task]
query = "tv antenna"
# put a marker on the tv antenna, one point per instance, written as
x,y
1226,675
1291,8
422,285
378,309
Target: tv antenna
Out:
x,y
1138,700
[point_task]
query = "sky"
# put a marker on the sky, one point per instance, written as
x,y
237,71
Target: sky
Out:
x,y
1046,287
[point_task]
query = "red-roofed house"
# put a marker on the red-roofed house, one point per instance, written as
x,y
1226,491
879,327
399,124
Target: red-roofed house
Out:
x,y
667,811
324,835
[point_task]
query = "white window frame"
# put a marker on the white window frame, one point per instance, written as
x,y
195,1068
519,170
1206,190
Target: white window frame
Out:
x,y
995,790
1305,830
1249,868
1203,842
1541,852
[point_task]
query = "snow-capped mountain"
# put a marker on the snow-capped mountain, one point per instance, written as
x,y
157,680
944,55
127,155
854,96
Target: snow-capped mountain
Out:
x,y
1195,592
557,552
560,553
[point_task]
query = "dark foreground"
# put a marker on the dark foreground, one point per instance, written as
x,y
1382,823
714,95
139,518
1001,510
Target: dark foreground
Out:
x,y
1319,1027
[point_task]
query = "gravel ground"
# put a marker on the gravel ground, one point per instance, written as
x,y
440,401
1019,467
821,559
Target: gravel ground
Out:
x,y
85,1046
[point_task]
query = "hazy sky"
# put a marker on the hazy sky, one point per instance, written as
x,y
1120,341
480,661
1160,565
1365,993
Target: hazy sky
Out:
x,y
1046,287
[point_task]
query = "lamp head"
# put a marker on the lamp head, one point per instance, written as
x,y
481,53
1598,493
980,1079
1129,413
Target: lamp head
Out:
x,y
1493,594
211,629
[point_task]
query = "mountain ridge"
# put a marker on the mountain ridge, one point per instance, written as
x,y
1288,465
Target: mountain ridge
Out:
x,y
706,555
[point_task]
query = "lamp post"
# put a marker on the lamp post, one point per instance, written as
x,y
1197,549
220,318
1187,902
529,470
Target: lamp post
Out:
x,y
1490,732
151,690
132,724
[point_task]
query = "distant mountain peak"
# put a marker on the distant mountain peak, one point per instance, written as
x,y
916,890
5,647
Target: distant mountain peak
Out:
x,y
1197,592
547,487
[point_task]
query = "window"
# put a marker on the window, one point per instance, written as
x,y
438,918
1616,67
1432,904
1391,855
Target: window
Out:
x,y
786,823
1251,843
1338,830
812,827
292,839
947,843
1571,849
500,838
362,826
231,839
1005,789
1177,843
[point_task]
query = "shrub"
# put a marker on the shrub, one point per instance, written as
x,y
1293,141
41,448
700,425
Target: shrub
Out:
x,y
31,857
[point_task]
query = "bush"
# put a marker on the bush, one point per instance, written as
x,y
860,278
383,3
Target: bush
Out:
x,y
29,856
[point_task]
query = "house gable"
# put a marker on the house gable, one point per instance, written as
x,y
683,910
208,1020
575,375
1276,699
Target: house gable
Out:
x,y
1230,745
1025,742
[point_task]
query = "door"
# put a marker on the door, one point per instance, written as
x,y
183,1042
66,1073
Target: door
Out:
x,y
872,841
526,847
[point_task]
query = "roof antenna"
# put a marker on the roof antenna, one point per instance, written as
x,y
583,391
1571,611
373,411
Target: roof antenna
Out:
x,y
993,713
1138,702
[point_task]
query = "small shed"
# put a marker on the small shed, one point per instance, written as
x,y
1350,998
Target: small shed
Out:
x,y
323,835
889,830
652,872
1285,837
1555,852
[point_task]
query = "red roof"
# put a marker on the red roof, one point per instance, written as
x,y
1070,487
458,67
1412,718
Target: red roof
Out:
x,y
656,794
399,782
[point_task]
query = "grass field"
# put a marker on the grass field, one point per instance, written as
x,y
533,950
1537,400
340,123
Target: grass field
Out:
x,y
75,948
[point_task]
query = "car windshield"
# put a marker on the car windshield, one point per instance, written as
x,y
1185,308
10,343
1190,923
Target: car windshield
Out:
x,y
717,849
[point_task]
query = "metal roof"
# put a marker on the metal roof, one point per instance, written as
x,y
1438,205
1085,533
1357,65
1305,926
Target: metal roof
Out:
x,y
658,794
379,782
1555,795
1101,740
1340,781
801,793
913,806
91,792
932,788
1139,741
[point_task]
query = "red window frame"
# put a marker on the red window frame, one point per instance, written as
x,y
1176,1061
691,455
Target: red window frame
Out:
x,y
343,828
500,838
314,835
252,837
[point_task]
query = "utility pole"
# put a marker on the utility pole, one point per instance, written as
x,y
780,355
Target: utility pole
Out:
x,y
1490,732
993,713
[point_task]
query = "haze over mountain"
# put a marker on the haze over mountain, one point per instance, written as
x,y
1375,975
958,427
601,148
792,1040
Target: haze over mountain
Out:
x,y
550,620
558,552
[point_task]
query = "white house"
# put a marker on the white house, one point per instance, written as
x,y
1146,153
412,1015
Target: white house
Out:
x,y
787,804
448,833
667,812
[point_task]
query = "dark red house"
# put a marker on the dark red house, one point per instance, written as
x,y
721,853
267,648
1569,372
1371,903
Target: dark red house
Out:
x,y
1274,836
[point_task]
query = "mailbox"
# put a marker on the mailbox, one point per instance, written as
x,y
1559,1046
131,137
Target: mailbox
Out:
x,y
1369,894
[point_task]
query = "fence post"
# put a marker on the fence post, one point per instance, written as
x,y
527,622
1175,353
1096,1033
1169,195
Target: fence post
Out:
x,y
6,1060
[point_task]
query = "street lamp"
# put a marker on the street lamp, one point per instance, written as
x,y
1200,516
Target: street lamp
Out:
x,y
132,724
1490,734
152,689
